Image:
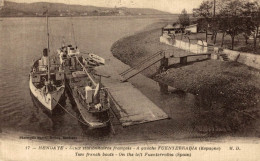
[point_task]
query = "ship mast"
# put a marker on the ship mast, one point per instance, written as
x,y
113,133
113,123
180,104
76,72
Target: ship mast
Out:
x,y
48,47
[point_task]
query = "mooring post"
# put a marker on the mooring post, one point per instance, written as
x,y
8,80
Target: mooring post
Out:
x,y
163,88
163,67
209,56
183,60
163,64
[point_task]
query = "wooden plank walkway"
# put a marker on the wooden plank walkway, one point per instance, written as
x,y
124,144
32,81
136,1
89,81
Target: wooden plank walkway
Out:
x,y
149,61
130,105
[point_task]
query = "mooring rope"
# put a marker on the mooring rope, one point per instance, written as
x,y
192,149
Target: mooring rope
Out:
x,y
111,125
71,114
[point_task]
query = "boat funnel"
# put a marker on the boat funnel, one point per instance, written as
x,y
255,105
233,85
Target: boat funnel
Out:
x,y
89,94
45,52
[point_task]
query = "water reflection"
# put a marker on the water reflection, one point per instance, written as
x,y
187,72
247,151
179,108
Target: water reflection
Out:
x,y
99,133
54,116
57,118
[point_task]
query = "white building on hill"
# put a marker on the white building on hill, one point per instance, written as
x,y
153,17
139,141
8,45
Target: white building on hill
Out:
x,y
191,28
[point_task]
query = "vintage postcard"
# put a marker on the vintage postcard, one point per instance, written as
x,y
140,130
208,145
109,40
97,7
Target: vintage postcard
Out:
x,y
129,80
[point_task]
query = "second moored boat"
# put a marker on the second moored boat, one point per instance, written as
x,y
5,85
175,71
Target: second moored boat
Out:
x,y
90,97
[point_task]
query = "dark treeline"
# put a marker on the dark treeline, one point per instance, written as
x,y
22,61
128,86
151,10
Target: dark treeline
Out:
x,y
229,17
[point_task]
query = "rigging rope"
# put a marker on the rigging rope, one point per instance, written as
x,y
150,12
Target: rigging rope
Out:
x,y
52,40
73,33
72,26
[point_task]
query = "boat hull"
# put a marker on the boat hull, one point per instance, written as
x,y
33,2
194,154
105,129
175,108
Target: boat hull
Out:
x,y
48,100
93,120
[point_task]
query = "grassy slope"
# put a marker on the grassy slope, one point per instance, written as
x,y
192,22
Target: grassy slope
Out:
x,y
225,90
135,48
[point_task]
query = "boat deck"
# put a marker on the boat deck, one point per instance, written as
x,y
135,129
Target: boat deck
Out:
x,y
130,106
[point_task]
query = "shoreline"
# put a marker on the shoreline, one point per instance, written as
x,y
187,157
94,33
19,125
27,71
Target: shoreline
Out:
x,y
148,15
223,90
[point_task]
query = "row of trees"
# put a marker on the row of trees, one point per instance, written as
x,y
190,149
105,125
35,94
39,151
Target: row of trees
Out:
x,y
229,17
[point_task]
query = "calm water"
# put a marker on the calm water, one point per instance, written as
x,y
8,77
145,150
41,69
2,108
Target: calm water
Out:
x,y
22,40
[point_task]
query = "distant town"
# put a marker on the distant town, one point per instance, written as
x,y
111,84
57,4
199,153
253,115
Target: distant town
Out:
x,y
12,9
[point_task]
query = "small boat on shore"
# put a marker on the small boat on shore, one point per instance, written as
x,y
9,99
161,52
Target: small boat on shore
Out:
x,y
97,58
91,99
46,79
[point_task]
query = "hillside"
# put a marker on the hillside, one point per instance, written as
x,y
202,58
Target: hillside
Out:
x,y
12,9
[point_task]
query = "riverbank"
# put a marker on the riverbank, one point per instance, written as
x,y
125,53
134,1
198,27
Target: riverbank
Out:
x,y
227,93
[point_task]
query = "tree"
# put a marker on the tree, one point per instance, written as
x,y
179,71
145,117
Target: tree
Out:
x,y
204,12
231,15
223,28
234,28
248,28
184,18
214,26
252,10
256,21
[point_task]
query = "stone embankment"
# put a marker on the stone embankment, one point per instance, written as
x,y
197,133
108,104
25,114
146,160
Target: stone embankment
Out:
x,y
248,59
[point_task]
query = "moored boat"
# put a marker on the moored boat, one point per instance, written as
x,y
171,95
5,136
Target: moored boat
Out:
x,y
91,99
46,79
46,85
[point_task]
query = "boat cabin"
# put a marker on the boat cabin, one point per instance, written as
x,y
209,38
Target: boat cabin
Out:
x,y
72,51
92,97
40,75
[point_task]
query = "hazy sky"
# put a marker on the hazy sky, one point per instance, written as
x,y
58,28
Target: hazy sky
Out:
x,y
173,6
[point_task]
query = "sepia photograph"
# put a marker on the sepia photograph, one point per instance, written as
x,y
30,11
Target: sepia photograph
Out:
x,y
129,80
